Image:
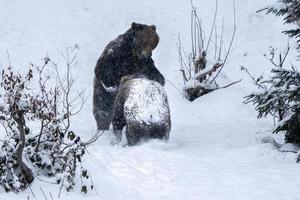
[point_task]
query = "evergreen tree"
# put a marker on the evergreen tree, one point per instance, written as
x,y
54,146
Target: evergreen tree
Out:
x,y
280,97
290,10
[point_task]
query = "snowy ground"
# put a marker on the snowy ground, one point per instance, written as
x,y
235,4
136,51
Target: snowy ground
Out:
x,y
215,149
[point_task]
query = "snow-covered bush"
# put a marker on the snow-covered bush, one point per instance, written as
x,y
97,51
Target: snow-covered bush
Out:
x,y
207,56
36,118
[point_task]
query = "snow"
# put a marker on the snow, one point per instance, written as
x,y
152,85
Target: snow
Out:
x,y
146,102
279,6
215,149
289,148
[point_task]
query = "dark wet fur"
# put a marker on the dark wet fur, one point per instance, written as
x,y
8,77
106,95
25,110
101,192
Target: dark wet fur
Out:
x,y
120,58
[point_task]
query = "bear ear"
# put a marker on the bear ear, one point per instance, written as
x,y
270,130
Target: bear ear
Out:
x,y
134,25
153,27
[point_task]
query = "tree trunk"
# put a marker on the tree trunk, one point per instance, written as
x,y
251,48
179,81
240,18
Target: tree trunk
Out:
x,y
25,169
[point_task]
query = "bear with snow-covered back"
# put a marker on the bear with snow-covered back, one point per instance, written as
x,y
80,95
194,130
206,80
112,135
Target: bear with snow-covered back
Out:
x,y
130,53
141,106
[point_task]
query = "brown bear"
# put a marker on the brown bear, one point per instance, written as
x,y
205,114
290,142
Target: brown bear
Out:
x,y
129,53
141,106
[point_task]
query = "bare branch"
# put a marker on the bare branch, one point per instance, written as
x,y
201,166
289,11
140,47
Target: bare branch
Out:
x,y
212,26
231,42
202,77
230,84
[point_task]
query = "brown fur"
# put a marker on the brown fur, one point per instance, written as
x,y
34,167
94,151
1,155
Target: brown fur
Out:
x,y
130,53
146,39
137,130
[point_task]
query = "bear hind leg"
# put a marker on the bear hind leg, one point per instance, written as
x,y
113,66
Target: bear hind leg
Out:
x,y
102,106
134,135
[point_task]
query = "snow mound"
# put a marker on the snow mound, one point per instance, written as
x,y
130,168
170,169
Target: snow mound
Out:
x,y
289,148
147,102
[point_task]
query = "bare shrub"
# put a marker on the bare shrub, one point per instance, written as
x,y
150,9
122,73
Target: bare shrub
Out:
x,y
37,117
207,56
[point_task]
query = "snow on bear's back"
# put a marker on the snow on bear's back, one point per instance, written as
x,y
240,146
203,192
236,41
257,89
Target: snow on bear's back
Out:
x,y
146,102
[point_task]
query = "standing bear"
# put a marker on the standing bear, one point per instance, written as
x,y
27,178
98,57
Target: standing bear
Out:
x,y
142,107
130,53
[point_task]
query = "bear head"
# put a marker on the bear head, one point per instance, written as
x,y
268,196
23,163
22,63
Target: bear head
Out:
x,y
145,39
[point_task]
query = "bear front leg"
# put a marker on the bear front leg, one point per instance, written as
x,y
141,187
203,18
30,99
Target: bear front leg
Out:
x,y
102,105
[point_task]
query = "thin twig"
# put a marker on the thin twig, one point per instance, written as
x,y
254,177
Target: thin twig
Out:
x,y
212,26
61,186
221,41
263,9
174,86
230,84
43,193
31,191
231,42
94,138
255,82
51,196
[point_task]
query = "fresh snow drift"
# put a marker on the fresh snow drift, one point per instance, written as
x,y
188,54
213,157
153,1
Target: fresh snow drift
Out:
x,y
215,151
